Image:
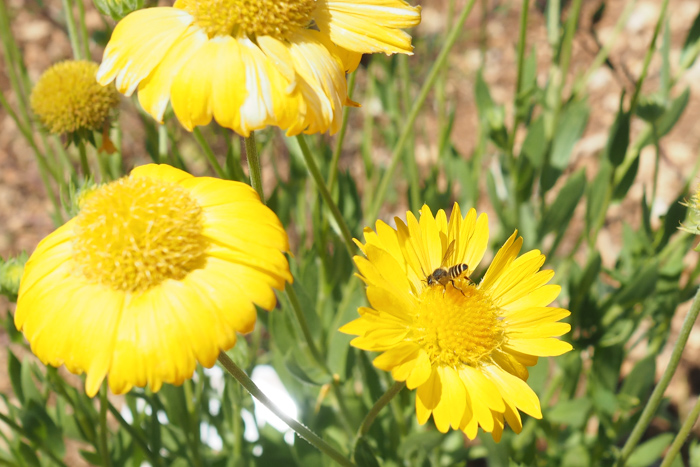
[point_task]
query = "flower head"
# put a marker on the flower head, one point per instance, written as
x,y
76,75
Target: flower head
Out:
x,y
67,98
158,271
252,63
463,346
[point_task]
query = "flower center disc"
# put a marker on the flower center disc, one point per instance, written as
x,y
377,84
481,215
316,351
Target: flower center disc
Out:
x,y
137,232
275,18
457,325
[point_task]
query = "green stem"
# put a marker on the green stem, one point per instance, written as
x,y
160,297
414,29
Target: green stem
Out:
x,y
522,40
303,432
333,171
681,436
193,437
84,36
72,32
135,435
378,406
162,144
326,195
208,153
304,325
251,152
648,56
84,165
104,431
658,394
413,114
409,154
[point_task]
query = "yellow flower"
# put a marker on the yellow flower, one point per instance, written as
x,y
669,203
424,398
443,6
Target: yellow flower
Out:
x,y
463,346
157,272
67,99
252,63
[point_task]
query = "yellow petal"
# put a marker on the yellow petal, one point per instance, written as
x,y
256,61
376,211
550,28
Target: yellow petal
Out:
x,y
453,400
368,26
154,90
139,43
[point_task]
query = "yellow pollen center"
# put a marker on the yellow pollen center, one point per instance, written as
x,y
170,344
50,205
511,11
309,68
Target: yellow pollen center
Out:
x,y
253,18
137,232
457,326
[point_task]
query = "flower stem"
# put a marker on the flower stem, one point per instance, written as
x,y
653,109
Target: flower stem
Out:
x,y
193,437
333,172
658,394
84,165
208,153
251,152
104,447
682,435
135,435
326,195
300,429
378,406
301,319
72,32
413,114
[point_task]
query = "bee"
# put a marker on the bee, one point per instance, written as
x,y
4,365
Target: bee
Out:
x,y
444,275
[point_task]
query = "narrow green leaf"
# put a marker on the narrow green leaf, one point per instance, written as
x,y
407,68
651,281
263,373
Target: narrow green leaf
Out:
x,y
619,137
640,380
627,180
535,144
668,120
597,192
691,47
648,452
560,212
363,454
572,413
574,119
15,372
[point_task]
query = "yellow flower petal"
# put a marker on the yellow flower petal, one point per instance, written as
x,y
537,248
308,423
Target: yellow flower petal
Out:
x,y
368,26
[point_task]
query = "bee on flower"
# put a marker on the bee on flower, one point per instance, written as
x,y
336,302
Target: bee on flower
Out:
x,y
463,346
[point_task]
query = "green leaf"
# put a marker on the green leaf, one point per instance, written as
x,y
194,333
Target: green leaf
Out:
x,y
535,144
640,380
577,456
574,119
558,215
641,286
29,386
572,413
619,137
15,371
597,192
482,95
648,452
627,180
419,442
691,47
363,454
93,458
667,121
29,456
619,332
308,374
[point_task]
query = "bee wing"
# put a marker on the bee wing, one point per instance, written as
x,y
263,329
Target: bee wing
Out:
x,y
448,253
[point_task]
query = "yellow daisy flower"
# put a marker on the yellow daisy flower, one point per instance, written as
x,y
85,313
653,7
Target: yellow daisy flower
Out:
x,y
252,63
158,271
463,346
